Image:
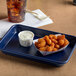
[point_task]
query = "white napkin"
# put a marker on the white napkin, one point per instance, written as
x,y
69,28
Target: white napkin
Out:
x,y
30,20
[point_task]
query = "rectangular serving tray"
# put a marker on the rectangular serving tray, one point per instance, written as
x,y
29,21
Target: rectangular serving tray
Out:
x,y
10,45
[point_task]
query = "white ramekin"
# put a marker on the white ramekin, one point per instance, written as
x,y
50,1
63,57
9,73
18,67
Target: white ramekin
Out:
x,y
25,42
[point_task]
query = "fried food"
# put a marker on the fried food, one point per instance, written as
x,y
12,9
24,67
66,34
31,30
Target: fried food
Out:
x,y
41,40
61,42
55,41
46,37
55,49
42,49
51,43
49,48
42,44
48,41
61,37
55,37
66,42
36,44
57,46
51,36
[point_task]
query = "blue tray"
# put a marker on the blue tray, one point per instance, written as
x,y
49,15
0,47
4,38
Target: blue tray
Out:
x,y
10,45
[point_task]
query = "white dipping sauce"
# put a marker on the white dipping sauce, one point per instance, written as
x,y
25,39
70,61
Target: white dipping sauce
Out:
x,y
26,38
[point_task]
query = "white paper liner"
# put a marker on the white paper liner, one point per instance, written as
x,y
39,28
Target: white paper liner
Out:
x,y
44,53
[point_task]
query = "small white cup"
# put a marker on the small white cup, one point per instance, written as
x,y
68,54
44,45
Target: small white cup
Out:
x,y
26,38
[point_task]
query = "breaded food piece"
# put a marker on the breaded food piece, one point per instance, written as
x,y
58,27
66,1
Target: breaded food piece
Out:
x,y
57,46
42,49
52,36
36,44
48,41
49,49
61,42
55,41
40,40
66,42
61,37
55,49
52,45
46,46
42,44
46,37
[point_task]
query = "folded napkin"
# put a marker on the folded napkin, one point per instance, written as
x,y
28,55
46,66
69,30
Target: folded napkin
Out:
x,y
30,20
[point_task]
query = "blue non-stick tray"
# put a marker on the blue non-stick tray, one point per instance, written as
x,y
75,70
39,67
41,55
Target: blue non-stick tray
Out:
x,y
10,45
